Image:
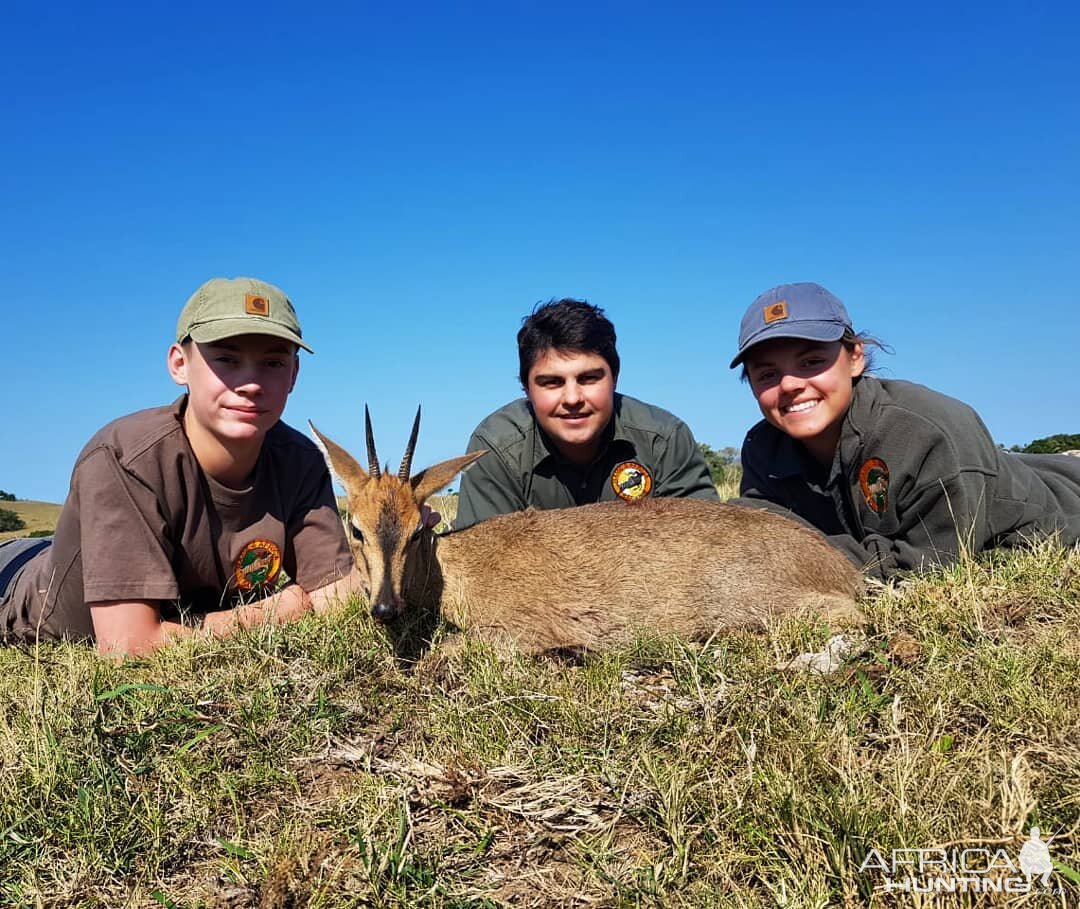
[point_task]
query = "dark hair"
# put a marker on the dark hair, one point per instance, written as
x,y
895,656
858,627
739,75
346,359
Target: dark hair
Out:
x,y
565,325
849,339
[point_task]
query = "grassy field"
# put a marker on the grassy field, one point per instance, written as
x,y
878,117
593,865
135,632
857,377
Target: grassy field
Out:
x,y
36,516
307,766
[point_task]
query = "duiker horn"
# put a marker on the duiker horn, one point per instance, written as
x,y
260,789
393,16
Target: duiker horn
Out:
x,y
372,457
406,461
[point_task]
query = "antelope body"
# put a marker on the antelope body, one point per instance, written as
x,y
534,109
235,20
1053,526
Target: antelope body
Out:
x,y
585,577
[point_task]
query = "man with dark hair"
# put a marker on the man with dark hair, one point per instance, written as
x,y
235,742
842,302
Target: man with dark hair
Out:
x,y
573,440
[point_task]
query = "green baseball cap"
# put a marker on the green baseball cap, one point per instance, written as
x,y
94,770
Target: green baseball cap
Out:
x,y
227,307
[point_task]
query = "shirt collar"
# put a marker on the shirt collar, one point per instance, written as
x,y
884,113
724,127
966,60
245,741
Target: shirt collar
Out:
x,y
858,419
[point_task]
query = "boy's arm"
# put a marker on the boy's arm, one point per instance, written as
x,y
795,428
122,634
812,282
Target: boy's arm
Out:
x,y
334,594
136,628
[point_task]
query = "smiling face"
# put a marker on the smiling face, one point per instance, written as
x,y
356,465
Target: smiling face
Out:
x,y
804,388
237,389
573,397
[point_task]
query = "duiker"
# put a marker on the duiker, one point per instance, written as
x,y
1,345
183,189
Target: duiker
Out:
x,y
586,577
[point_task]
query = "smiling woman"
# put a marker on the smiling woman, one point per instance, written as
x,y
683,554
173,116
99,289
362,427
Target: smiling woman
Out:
x,y
898,476
804,388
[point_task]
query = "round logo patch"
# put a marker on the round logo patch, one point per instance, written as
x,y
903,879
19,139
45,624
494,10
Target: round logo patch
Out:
x,y
874,483
258,565
631,481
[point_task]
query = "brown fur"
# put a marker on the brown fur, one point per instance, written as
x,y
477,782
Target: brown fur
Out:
x,y
591,576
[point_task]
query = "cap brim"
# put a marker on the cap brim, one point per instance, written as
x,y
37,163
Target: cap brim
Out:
x,y
807,331
221,329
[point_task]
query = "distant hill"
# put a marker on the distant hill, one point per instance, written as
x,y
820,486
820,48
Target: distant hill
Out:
x,y
36,515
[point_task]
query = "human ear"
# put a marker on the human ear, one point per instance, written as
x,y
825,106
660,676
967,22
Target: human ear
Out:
x,y
857,357
295,371
177,362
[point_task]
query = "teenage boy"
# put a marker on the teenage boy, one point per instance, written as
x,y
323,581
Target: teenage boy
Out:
x,y
209,513
573,440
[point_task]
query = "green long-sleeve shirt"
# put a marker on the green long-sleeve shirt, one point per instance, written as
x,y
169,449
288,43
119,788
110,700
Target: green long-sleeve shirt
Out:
x,y
646,450
916,476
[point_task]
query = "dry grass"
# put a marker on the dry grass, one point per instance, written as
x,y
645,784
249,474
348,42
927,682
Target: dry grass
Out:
x,y
306,766
36,515
729,488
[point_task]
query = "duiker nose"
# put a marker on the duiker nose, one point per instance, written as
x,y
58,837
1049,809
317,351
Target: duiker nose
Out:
x,y
383,612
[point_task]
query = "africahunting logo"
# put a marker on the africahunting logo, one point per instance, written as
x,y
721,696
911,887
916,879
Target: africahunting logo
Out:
x,y
973,869
258,565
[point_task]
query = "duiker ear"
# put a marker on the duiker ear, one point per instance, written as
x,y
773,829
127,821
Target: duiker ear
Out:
x,y
342,464
439,475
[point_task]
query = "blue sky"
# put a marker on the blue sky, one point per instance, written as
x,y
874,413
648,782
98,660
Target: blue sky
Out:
x,y
417,178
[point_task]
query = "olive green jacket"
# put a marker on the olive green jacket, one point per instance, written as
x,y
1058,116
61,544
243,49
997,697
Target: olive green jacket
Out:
x,y
646,451
916,477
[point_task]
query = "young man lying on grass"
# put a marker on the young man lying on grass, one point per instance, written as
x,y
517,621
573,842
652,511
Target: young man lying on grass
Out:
x,y
183,518
573,439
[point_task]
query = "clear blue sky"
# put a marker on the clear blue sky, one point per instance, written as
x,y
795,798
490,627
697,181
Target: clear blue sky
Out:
x,y
416,179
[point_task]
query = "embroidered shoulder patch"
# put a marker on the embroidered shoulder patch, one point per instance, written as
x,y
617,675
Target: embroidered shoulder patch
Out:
x,y
631,481
258,565
774,312
874,483
256,305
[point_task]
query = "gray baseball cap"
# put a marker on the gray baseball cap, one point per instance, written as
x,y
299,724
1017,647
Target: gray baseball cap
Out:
x,y
227,307
803,310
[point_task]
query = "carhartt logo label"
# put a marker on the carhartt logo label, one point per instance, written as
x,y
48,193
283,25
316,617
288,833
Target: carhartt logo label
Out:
x,y
774,312
256,305
631,481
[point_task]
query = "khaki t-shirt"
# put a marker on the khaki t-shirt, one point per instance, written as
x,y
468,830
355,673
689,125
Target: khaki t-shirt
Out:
x,y
142,521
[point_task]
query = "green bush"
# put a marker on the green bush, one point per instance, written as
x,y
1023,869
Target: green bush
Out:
x,y
9,520
6,496
1051,444
720,463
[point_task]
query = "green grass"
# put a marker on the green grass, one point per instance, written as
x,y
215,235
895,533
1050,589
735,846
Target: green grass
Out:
x,y
303,766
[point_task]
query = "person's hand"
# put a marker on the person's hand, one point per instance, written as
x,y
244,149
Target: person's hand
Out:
x,y
286,605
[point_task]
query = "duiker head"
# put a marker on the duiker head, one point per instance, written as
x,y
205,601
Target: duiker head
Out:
x,y
385,515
